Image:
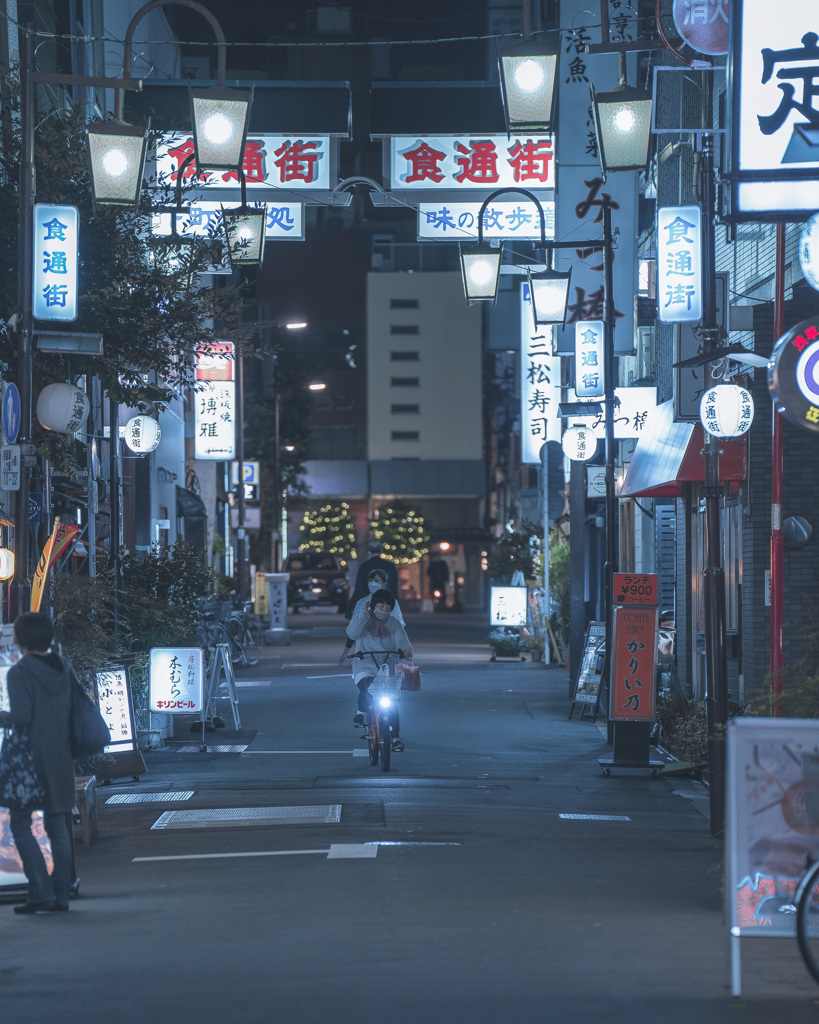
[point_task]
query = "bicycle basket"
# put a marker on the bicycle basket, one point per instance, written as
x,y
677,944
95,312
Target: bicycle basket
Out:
x,y
387,684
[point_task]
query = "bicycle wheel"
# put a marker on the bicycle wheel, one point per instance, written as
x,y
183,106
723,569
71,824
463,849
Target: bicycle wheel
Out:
x,y
254,642
372,739
807,919
386,745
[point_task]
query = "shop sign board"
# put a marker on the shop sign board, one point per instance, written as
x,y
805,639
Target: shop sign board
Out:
x,y
631,409
56,262
467,163
679,264
215,403
507,606
793,375
176,680
203,219
114,693
458,222
589,362
540,384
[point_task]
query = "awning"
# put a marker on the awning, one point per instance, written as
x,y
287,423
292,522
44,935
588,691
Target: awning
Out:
x,y
669,453
189,505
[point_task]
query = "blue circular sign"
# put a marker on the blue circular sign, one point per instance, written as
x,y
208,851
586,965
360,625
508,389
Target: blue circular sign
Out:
x,y
11,412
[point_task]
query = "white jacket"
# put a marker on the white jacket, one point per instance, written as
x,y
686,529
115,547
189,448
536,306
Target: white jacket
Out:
x,y
396,640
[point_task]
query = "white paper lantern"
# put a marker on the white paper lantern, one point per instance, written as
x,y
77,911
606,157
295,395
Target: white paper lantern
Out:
x,y
579,444
6,564
142,434
727,410
809,251
62,408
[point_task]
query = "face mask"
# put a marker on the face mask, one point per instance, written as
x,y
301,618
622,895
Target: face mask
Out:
x,y
373,585
382,615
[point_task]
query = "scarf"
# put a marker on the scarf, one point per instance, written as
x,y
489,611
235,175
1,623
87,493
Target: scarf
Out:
x,y
377,627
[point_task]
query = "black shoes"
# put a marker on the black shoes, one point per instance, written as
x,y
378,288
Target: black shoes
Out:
x,y
358,719
36,908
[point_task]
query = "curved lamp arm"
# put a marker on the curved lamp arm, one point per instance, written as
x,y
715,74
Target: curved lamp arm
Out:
x,y
503,191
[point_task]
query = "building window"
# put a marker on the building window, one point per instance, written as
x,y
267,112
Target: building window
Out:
x,y
403,328
399,409
403,303
404,357
404,382
405,435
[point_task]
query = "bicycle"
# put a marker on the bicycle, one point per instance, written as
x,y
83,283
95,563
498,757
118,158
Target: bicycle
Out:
x,y
381,716
246,639
210,632
806,900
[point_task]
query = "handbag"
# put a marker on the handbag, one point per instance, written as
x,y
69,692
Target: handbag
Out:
x,y
20,786
89,733
411,675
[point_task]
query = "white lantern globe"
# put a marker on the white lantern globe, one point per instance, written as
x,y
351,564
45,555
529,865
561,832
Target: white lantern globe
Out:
x,y
579,444
727,410
142,434
809,251
6,564
62,408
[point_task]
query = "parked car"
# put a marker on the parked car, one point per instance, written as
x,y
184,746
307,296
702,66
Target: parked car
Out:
x,y
315,579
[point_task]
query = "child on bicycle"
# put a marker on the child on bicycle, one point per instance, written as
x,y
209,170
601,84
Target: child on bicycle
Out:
x,y
375,629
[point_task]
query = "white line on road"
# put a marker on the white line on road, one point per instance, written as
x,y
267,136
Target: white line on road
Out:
x,y
595,817
337,851
345,752
340,675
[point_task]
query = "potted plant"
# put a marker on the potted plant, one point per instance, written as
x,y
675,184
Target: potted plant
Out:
x,y
505,643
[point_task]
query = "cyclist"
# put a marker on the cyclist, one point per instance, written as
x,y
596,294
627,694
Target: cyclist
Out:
x,y
375,629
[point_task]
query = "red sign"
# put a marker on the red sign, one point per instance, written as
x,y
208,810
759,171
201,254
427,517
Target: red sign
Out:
x,y
703,24
635,589
635,655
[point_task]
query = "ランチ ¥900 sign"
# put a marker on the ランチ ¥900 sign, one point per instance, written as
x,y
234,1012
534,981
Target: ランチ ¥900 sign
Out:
x,y
793,375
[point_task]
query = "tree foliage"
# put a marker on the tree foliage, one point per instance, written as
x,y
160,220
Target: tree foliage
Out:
x,y
402,532
514,552
331,529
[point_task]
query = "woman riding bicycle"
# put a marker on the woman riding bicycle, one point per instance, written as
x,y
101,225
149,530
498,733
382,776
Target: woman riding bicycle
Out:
x,y
376,631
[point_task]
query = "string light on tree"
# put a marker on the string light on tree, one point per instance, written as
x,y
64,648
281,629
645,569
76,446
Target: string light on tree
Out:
x,y
402,533
330,530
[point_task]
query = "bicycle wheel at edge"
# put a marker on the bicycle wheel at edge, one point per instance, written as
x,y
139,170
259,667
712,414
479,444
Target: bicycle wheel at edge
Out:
x,y
386,746
372,742
254,642
807,919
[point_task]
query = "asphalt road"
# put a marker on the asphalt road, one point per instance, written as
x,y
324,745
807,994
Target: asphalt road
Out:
x,y
449,890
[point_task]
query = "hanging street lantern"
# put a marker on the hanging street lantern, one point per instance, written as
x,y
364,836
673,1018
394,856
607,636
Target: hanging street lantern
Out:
x,y
220,119
480,269
6,564
579,444
142,434
622,120
117,152
244,230
527,81
62,408
549,292
727,410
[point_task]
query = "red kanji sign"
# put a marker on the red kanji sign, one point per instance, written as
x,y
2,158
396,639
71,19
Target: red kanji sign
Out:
x,y
633,664
635,588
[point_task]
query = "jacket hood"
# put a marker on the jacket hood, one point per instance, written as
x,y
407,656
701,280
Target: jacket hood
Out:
x,y
50,670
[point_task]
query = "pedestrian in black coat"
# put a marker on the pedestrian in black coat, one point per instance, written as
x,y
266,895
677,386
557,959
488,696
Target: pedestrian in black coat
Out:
x,y
375,561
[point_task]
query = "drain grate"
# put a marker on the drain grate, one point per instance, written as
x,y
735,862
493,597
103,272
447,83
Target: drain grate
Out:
x,y
149,798
236,749
221,817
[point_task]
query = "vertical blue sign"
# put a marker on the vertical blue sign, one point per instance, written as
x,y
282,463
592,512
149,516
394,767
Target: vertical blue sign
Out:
x,y
589,379
56,256
679,264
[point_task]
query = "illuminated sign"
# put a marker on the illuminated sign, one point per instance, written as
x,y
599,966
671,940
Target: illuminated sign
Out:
x,y
277,161
176,680
540,384
464,163
703,24
579,444
507,606
774,109
809,251
727,410
589,377
284,221
679,264
56,257
635,655
457,222
214,401
631,409
115,708
793,375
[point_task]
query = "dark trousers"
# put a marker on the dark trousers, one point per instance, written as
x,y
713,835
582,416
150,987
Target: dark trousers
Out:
x,y
365,702
43,888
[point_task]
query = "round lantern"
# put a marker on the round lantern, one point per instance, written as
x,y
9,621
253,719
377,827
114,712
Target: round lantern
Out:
x,y
62,408
579,444
6,564
142,434
727,410
809,251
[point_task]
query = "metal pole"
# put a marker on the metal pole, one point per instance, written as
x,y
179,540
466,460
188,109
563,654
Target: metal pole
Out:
x,y
611,498
21,589
777,547
277,483
716,676
241,533
115,480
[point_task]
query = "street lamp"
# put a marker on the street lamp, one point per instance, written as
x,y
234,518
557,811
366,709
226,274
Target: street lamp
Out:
x,y
549,294
117,151
527,80
480,263
622,121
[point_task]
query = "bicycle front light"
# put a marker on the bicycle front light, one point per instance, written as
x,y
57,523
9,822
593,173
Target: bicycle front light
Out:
x,y
385,702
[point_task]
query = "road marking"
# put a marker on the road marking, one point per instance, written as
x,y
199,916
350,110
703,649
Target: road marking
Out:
x,y
337,851
345,752
149,798
348,851
340,675
595,817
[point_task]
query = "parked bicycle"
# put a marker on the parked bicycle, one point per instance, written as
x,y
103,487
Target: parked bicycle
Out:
x,y
246,637
806,900
381,718
209,630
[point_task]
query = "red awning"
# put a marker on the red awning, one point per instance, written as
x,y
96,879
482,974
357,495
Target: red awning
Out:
x,y
670,453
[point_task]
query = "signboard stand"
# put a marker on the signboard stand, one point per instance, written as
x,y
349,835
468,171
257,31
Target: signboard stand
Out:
x,y
588,687
220,664
632,673
122,757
